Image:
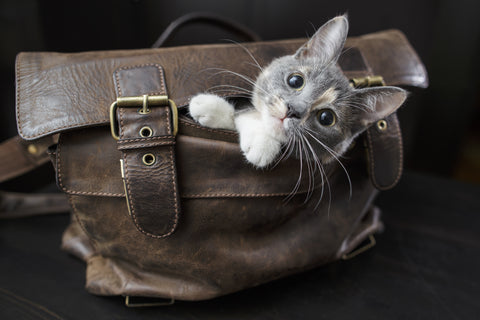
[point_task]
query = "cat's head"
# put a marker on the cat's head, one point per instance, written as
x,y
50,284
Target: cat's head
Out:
x,y
311,104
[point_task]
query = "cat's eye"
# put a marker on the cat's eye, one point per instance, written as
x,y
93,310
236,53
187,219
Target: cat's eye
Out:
x,y
326,117
296,81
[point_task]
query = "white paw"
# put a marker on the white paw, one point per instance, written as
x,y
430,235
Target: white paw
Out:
x,y
260,150
258,145
212,111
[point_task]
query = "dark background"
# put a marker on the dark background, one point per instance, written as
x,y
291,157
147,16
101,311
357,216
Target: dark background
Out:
x,y
441,125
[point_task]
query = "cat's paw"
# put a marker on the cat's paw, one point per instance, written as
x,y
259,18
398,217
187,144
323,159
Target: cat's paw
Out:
x,y
212,111
259,148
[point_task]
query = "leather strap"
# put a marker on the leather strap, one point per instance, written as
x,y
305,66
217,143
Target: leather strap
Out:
x,y
149,169
385,152
17,157
383,140
19,205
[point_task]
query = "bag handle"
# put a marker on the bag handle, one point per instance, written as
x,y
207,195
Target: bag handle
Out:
x,y
205,17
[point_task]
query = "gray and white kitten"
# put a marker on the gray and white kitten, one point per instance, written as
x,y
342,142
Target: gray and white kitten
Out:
x,y
301,103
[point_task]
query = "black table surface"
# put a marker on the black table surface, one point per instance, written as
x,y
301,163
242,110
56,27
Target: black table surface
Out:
x,y
426,265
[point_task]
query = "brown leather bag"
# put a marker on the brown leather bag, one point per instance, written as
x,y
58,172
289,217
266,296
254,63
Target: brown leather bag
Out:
x,y
171,209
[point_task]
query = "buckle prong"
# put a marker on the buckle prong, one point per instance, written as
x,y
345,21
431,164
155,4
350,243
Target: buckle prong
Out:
x,y
144,109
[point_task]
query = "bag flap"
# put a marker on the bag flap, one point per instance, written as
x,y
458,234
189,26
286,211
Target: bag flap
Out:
x,y
61,91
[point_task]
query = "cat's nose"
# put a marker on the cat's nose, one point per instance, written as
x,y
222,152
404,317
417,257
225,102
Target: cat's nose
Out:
x,y
291,112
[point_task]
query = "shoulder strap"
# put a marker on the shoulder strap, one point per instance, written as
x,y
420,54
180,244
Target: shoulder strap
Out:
x,y
18,157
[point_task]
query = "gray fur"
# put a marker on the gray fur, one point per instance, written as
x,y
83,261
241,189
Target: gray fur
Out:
x,y
283,121
355,109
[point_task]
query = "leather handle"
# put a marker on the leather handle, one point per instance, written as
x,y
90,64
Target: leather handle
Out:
x,y
210,18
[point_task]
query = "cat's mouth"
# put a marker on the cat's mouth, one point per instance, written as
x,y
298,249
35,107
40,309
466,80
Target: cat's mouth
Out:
x,y
280,125
279,115
278,120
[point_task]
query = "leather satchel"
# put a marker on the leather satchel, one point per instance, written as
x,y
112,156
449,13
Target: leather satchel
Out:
x,y
163,207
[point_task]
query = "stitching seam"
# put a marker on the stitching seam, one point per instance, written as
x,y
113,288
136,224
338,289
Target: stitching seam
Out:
x,y
18,116
239,195
146,145
208,129
66,189
175,197
124,141
160,70
372,159
92,241
399,158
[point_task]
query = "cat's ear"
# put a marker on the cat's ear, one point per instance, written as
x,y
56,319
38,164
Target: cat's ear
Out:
x,y
380,102
327,43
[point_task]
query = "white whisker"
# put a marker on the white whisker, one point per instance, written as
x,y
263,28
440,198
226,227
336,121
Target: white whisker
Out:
x,y
297,146
231,86
322,175
333,154
249,53
241,76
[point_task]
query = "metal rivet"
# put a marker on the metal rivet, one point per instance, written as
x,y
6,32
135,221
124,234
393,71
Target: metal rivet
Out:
x,y
382,125
143,111
146,132
32,149
148,159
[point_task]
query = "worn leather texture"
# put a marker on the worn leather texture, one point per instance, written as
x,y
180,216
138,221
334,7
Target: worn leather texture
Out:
x,y
58,91
204,223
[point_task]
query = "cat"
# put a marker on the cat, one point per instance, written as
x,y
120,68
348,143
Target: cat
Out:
x,y
301,104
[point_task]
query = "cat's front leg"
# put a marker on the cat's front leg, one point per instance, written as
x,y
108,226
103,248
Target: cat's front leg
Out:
x,y
212,111
258,144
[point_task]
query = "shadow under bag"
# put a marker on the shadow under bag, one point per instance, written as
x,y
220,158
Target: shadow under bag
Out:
x,y
171,209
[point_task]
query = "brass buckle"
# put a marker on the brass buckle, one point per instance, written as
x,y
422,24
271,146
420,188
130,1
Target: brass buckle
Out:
x,y
144,102
368,81
356,252
371,81
147,302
